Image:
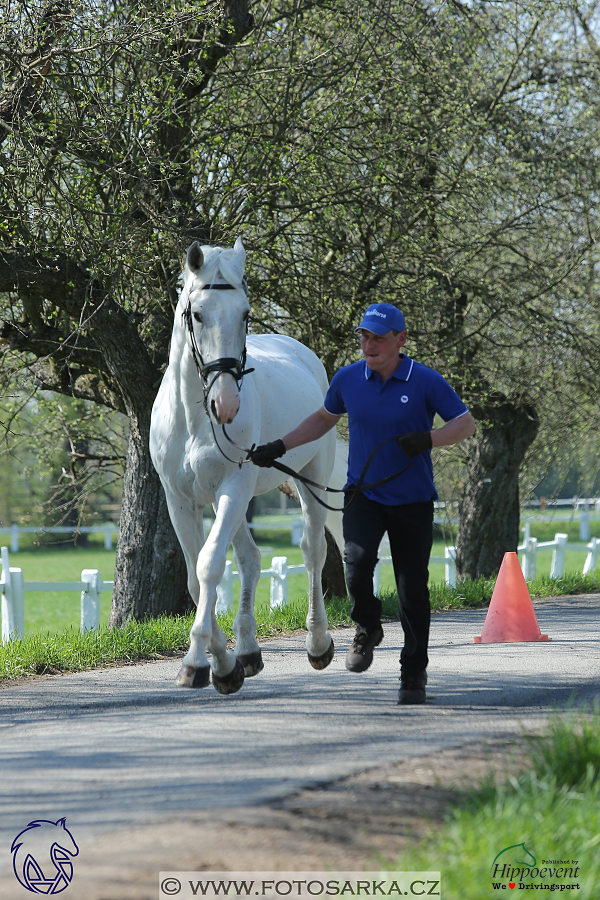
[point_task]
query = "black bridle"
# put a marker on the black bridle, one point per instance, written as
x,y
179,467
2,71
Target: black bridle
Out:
x,y
226,364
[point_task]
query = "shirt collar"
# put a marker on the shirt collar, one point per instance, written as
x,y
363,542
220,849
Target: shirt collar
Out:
x,y
402,373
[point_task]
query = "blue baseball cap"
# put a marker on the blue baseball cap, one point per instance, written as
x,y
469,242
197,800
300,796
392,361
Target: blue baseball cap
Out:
x,y
381,318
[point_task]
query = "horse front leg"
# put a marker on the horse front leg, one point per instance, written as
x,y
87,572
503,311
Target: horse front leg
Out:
x,y
206,634
247,557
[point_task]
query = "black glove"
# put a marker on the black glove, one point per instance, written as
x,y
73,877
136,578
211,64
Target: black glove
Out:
x,y
265,454
415,442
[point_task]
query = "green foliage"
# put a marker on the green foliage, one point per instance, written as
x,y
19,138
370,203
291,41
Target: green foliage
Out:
x,y
570,751
61,460
553,808
71,651
442,156
477,593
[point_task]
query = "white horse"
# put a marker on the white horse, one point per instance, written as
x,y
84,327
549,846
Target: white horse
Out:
x,y
202,383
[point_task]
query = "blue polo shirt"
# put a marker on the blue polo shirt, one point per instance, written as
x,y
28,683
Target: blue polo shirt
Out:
x,y
407,401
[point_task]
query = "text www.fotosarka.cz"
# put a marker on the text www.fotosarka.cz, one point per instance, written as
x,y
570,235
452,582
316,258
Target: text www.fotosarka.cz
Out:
x,y
188,885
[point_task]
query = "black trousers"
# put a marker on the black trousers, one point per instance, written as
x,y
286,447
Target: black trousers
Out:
x,y
410,531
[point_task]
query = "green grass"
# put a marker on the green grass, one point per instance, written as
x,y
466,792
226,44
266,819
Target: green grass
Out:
x,y
552,808
70,651
53,643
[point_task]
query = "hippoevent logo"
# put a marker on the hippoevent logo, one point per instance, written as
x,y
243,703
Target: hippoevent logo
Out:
x,y
42,855
516,868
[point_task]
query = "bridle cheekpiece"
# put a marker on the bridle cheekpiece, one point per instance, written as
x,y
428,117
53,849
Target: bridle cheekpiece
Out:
x,y
226,364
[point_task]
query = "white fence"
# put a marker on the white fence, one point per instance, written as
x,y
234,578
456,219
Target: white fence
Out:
x,y
13,586
530,546
295,526
107,529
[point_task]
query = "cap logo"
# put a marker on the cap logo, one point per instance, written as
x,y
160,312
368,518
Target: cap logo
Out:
x,y
373,312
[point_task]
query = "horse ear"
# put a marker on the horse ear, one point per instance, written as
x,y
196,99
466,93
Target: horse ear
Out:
x,y
195,257
239,248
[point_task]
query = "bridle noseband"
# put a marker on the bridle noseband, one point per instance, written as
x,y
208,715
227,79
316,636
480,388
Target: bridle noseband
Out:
x,y
226,364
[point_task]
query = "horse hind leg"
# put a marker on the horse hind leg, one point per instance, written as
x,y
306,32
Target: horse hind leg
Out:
x,y
247,557
319,643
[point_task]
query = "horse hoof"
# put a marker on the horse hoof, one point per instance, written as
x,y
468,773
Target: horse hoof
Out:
x,y
189,676
321,662
231,683
252,663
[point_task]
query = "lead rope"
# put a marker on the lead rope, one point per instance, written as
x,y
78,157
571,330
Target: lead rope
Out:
x,y
236,368
307,482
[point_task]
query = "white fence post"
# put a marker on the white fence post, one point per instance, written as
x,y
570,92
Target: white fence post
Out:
x,y
592,557
14,538
13,601
377,577
18,594
108,537
450,566
297,531
584,524
90,600
558,555
529,563
225,589
279,582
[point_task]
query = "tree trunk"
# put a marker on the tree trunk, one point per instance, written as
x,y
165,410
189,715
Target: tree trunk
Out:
x,y
333,579
150,571
489,510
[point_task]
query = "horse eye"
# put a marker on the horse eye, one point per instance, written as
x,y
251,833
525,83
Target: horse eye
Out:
x,y
197,317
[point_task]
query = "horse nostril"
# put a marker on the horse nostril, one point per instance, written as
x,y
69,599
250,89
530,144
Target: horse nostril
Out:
x,y
213,408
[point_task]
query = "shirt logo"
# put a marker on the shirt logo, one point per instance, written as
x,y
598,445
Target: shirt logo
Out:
x,y
404,399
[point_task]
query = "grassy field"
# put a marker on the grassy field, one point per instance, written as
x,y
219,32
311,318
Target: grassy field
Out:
x,y
551,812
53,612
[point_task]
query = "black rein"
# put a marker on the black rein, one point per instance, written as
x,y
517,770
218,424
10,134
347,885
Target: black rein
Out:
x,y
237,369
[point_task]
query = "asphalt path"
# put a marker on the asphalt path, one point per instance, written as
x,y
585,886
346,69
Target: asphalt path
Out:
x,y
118,747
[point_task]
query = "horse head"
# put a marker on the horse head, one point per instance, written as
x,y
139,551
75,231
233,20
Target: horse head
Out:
x,y
216,310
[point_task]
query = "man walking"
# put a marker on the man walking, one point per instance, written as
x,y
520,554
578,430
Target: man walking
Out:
x,y
387,395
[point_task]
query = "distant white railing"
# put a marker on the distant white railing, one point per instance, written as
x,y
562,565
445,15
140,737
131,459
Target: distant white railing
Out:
x,y
448,559
108,529
295,526
13,586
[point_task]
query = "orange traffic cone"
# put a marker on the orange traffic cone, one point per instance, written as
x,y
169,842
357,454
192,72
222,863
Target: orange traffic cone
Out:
x,y
510,615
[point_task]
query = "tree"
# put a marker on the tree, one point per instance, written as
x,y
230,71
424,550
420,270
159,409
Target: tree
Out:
x,y
438,155
100,124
